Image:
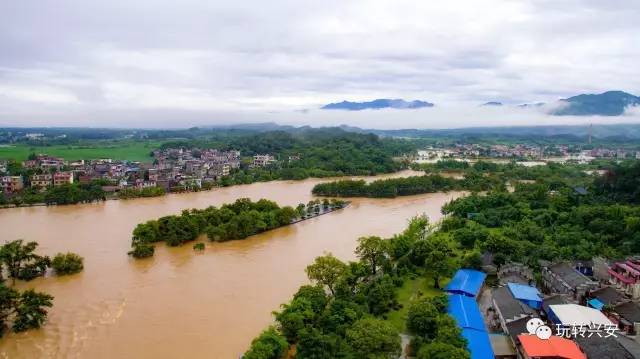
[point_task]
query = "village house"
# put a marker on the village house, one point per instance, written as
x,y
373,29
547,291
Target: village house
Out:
x,y
263,160
508,308
11,184
61,178
564,279
42,181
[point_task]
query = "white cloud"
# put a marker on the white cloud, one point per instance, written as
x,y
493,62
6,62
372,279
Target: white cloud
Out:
x,y
206,61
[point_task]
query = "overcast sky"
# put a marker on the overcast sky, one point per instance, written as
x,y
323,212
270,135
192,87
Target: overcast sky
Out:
x,y
153,63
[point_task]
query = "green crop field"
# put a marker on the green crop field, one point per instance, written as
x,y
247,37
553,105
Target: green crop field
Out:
x,y
124,150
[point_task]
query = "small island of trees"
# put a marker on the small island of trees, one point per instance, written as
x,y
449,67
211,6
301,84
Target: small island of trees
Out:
x,y
233,221
26,310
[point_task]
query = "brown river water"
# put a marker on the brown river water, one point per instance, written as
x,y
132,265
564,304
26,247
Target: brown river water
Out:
x,y
183,304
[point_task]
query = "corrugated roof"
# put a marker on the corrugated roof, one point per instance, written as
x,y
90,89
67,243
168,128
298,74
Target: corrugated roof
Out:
x,y
554,347
467,282
595,303
478,344
573,314
466,313
528,294
509,307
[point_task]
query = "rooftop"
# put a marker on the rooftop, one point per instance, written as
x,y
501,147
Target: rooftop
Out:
x,y
575,315
569,274
528,294
466,313
467,282
608,295
554,347
629,311
510,307
600,347
554,299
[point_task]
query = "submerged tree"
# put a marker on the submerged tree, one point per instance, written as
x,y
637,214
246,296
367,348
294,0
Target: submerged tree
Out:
x,y
67,263
21,261
30,310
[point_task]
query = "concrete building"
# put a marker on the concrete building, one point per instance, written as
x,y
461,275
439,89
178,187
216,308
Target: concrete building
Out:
x,y
562,278
11,184
61,178
41,181
263,160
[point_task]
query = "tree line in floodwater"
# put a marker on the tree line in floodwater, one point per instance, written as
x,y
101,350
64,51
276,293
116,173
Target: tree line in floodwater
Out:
x,y
232,221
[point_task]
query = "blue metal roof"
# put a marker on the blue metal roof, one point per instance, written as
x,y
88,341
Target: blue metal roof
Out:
x,y
467,282
478,343
466,313
596,303
527,294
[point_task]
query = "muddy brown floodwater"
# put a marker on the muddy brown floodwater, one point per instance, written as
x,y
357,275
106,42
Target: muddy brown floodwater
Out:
x,y
183,304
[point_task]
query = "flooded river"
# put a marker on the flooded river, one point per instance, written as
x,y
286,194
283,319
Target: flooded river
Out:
x,y
183,304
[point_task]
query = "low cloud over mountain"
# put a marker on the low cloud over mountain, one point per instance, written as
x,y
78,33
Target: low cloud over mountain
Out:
x,y
377,104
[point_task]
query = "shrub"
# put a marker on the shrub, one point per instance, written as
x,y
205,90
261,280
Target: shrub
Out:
x,y
67,263
198,246
142,250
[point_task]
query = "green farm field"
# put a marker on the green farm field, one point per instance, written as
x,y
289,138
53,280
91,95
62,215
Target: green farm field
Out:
x,y
122,150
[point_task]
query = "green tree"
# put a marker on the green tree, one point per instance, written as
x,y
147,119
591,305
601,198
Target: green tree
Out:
x,y
142,250
422,319
8,298
67,263
326,270
439,350
21,261
269,345
440,261
31,310
371,250
374,338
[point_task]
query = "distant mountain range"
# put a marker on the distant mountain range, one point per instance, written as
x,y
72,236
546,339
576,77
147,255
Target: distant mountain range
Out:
x,y
610,103
377,105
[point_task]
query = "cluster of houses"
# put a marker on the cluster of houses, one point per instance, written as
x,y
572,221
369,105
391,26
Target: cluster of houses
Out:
x,y
466,151
589,310
172,168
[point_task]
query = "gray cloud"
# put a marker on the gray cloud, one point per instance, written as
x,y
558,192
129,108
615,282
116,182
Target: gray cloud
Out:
x,y
161,63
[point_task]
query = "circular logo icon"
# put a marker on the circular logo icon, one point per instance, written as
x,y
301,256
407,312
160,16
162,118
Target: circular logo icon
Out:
x,y
543,332
533,324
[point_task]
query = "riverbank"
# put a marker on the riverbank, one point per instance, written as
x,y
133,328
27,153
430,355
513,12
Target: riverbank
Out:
x,y
178,304
401,173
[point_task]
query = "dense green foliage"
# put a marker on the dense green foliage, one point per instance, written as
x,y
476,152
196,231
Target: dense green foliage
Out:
x,y
20,260
344,315
63,194
128,193
481,176
551,219
22,310
67,263
237,220
621,183
393,187
269,345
